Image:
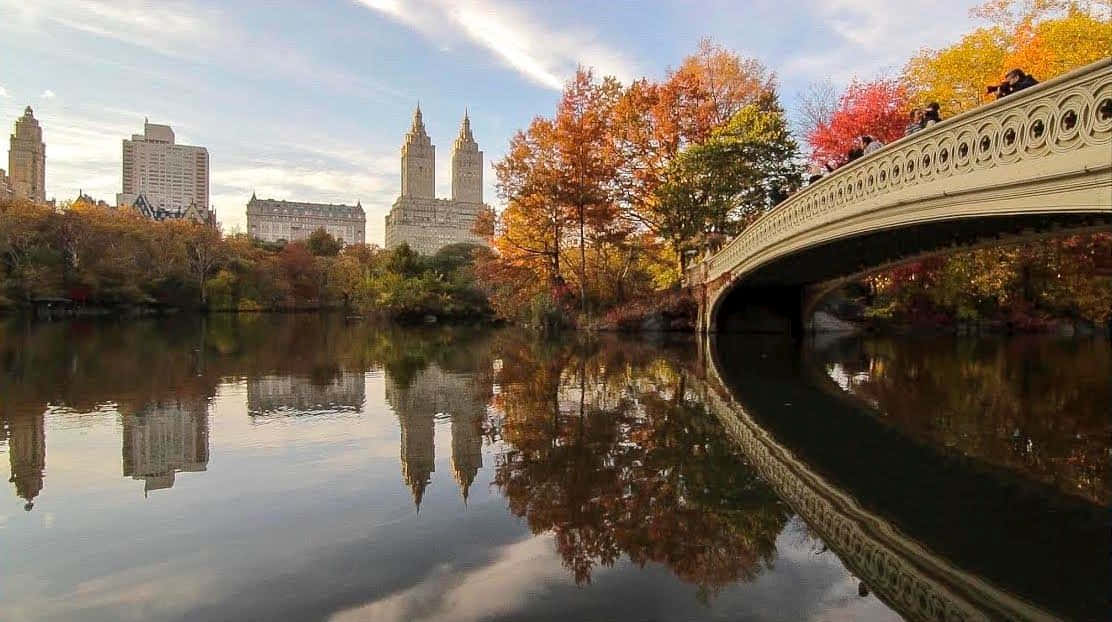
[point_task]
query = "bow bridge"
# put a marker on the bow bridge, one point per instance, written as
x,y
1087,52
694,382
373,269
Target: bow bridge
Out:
x,y
1035,163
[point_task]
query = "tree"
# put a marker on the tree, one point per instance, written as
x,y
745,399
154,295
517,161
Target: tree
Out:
x,y
588,165
715,188
322,244
656,122
876,108
1046,38
533,223
203,252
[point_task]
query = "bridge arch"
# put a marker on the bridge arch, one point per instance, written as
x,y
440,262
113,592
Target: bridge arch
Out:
x,y
1035,162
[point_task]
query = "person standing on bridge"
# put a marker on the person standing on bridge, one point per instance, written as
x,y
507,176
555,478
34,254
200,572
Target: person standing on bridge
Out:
x,y
931,115
915,122
856,151
871,144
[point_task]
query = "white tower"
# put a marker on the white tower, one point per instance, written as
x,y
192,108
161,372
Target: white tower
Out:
x,y
467,166
418,161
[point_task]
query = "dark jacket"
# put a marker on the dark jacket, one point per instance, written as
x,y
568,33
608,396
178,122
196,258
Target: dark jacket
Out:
x,y
1025,83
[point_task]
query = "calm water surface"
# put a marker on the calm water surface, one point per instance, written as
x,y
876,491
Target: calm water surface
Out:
x,y
308,468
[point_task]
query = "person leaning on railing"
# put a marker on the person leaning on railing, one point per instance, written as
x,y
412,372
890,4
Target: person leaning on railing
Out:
x,y
1014,81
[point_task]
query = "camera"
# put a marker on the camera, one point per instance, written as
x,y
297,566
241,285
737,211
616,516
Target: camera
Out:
x,y
1002,89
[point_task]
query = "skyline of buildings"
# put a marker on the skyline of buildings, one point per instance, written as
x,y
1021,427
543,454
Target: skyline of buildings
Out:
x,y
164,180
417,217
284,394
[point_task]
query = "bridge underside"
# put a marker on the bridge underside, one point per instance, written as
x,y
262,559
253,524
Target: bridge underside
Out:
x,y
777,297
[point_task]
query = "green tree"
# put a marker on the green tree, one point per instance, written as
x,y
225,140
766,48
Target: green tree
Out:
x,y
714,189
322,244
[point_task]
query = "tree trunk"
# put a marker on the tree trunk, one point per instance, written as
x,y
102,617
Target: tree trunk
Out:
x,y
582,263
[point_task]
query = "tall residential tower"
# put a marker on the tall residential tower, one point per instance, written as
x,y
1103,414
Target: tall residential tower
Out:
x,y
170,177
27,159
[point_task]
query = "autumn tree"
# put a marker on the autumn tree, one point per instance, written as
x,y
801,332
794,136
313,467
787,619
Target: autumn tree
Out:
x,y
558,181
531,229
587,164
656,122
877,108
713,189
643,470
1045,38
204,250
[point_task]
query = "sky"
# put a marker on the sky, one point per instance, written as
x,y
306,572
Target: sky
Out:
x,y
309,100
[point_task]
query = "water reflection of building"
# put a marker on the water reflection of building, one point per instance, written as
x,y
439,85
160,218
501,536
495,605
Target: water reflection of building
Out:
x,y
460,397
344,392
164,439
26,436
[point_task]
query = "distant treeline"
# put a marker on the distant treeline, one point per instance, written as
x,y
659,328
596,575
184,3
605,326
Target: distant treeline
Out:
x,y
93,257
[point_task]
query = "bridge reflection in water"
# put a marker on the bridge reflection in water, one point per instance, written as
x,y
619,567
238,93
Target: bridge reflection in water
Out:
x,y
936,536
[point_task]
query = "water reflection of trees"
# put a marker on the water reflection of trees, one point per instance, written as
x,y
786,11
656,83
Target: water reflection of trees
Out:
x,y
609,449
1038,406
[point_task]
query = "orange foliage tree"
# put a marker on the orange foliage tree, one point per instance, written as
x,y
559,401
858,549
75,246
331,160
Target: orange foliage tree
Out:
x,y
600,194
1045,38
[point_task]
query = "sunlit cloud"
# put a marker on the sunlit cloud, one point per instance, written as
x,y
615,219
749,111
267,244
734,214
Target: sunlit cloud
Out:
x,y
545,55
4,93
47,94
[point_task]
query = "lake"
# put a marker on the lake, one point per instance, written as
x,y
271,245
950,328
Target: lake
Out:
x,y
302,467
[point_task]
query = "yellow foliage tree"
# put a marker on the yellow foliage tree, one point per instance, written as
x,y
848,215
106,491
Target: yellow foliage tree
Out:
x,y
1045,38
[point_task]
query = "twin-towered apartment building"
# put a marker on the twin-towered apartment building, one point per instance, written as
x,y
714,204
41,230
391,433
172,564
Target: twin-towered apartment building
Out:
x,y
417,217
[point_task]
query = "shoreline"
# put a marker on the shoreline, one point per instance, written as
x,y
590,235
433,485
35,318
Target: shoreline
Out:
x,y
832,326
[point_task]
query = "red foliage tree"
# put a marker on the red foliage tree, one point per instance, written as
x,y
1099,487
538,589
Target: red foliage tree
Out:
x,y
877,108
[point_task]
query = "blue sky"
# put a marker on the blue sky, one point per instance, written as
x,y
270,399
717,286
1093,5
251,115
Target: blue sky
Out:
x,y
308,100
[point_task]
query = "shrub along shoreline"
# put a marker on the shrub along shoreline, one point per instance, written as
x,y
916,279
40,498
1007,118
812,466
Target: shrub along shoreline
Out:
x,y
91,260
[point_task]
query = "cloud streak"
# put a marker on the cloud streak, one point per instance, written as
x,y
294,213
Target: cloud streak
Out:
x,y
544,55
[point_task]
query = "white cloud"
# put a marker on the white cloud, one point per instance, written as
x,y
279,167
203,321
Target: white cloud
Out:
x,y
542,54
872,37
4,93
47,94
454,594
198,35
128,21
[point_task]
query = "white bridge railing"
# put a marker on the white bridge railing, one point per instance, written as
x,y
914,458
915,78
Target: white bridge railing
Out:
x,y
1061,128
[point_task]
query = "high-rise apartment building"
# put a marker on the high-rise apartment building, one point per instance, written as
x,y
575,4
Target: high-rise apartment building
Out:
x,y
417,217
27,159
170,177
